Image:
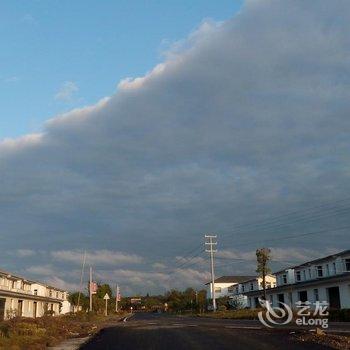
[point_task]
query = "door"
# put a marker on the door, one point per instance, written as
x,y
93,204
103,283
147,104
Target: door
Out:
x,y
334,297
2,309
20,308
303,296
257,303
35,307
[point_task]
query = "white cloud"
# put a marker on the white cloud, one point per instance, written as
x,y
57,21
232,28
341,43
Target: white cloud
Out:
x,y
105,257
41,270
24,253
12,79
67,91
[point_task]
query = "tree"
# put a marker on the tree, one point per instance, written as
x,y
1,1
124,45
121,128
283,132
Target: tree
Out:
x,y
263,256
84,301
103,289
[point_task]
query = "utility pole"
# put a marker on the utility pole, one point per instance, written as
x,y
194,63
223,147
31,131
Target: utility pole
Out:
x,y
211,243
117,299
90,288
81,279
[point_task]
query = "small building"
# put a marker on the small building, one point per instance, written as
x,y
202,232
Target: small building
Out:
x,y
325,279
22,297
239,298
225,286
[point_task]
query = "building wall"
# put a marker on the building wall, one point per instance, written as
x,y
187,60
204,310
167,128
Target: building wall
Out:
x,y
292,295
26,293
224,292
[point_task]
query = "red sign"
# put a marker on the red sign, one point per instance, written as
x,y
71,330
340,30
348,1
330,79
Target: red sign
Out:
x,y
93,287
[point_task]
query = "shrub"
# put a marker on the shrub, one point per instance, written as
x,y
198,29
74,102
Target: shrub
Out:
x,y
339,315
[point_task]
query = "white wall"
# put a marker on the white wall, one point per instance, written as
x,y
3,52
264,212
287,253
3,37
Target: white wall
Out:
x,y
224,290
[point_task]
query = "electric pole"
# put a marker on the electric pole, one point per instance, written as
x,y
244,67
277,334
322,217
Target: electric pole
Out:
x,y
81,279
211,242
117,299
90,288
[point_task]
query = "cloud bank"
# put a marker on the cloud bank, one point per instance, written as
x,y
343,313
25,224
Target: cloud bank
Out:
x,y
244,120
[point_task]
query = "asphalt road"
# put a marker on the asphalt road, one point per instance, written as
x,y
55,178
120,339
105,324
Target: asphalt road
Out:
x,y
164,332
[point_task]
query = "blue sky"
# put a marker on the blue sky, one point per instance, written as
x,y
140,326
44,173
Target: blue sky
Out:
x,y
58,55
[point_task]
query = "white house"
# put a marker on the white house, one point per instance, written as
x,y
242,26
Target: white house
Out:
x,y
22,297
325,279
225,286
240,300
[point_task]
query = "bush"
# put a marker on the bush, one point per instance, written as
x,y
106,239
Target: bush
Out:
x,y
339,315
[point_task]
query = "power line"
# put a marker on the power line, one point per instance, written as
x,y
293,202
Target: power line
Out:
x,y
304,214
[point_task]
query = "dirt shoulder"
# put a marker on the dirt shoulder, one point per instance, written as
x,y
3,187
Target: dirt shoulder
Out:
x,y
40,333
332,341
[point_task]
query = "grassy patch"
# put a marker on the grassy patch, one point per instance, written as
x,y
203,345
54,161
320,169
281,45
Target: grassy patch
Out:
x,y
247,314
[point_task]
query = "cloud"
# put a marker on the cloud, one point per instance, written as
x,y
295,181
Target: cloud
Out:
x,y
28,19
24,253
105,257
42,270
243,122
12,79
67,91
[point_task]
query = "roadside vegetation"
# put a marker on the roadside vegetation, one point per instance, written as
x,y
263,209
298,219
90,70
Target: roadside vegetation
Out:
x,y
36,334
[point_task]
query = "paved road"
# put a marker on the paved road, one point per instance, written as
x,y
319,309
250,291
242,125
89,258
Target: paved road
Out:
x,y
164,332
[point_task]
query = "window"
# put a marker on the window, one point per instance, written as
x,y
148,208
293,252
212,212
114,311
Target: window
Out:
x,y
310,275
217,289
242,287
334,268
50,293
316,296
319,270
347,264
327,269
57,295
302,296
304,275
251,286
268,285
284,279
298,276
35,292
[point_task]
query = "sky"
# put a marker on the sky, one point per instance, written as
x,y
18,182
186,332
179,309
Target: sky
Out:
x,y
58,55
229,119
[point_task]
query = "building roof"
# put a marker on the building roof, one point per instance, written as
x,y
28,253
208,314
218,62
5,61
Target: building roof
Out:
x,y
232,279
316,261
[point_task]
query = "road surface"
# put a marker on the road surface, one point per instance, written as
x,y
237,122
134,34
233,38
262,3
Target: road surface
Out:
x,y
165,332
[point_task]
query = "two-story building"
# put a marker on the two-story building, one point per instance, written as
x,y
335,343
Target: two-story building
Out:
x,y
324,279
240,300
225,286
22,297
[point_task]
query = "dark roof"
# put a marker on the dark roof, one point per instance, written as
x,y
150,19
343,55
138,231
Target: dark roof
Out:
x,y
320,260
232,279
